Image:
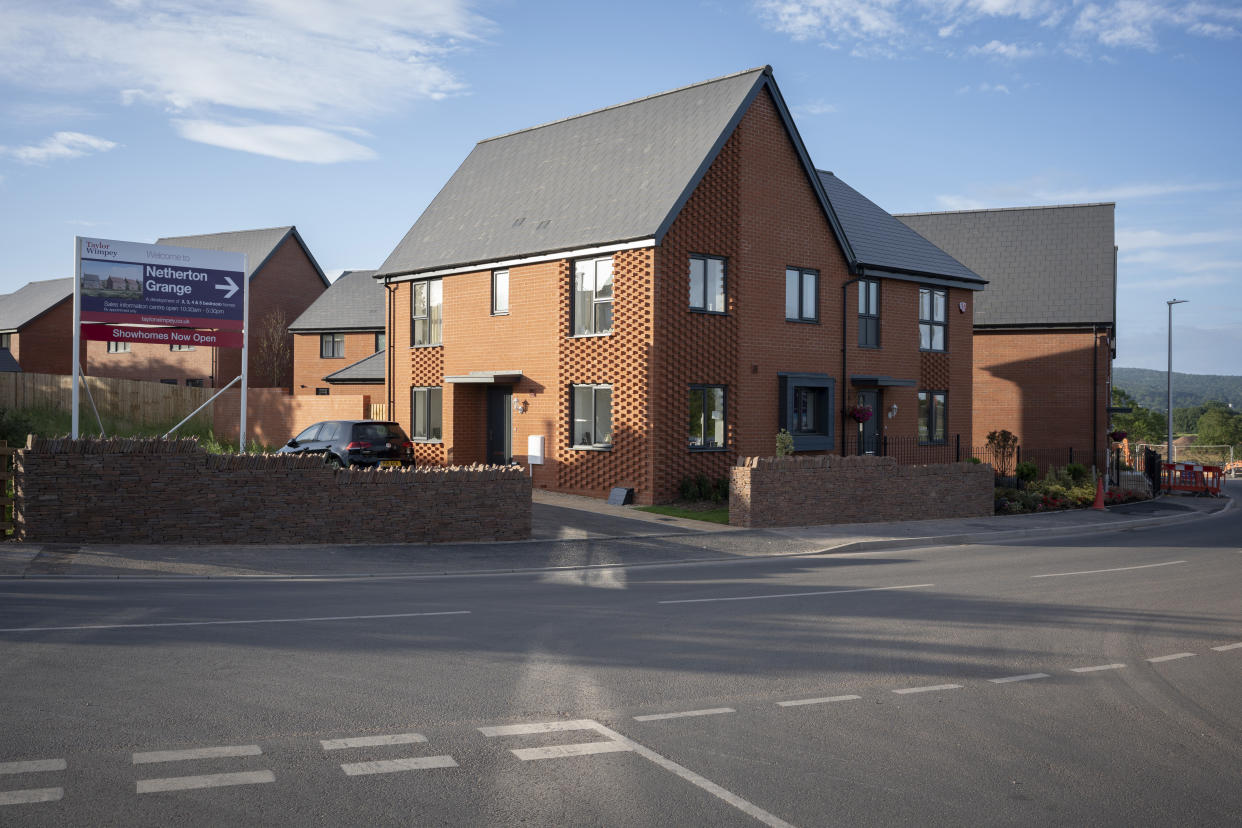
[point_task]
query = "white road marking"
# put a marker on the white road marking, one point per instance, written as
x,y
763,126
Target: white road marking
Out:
x,y
396,765
1228,647
929,689
222,623
373,741
560,751
1098,571
1026,677
211,780
789,594
33,766
1173,657
658,716
31,795
196,753
825,700
617,742
1096,668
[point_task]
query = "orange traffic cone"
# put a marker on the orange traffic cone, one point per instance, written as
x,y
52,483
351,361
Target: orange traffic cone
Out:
x,y
1099,494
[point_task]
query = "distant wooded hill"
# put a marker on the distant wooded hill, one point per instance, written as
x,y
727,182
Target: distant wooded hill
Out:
x,y
1149,388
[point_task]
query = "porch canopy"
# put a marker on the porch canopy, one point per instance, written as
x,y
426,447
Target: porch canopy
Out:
x,y
879,381
486,378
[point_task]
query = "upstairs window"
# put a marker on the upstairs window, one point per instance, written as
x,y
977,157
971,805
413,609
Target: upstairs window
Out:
x,y
118,347
592,415
932,304
427,313
868,314
801,295
6,342
425,414
933,416
707,417
500,292
332,346
707,283
592,309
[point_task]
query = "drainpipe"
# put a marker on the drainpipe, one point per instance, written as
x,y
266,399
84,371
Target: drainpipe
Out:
x,y
844,339
1095,397
390,293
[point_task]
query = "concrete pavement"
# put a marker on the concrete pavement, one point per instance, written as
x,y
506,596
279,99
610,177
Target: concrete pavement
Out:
x,y
580,532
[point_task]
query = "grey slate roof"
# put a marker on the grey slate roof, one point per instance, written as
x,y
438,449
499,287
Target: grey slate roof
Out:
x,y
881,242
369,370
354,302
32,300
1045,265
613,175
258,245
8,363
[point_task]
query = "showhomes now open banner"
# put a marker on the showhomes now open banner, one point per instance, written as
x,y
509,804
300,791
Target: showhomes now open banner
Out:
x,y
163,336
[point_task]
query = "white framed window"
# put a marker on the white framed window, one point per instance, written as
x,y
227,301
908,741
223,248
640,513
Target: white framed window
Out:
x,y
181,347
426,423
118,347
592,416
427,313
932,319
592,305
500,292
707,283
801,295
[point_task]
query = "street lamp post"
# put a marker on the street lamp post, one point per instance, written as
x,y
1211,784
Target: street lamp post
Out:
x,y
1169,376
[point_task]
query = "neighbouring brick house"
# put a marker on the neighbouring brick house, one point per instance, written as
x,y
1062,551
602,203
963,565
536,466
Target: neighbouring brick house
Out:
x,y
283,278
338,342
36,324
654,289
1045,329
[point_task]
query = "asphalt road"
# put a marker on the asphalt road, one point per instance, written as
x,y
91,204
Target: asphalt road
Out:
x,y
1066,682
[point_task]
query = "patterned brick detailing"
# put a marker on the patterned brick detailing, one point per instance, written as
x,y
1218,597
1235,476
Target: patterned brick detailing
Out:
x,y
934,370
426,369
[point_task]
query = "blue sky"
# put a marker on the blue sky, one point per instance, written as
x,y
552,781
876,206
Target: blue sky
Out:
x,y
135,119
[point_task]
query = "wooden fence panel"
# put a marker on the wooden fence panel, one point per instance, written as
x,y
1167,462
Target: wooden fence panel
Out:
x,y
134,401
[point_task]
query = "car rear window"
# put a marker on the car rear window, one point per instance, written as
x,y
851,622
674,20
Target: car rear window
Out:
x,y
379,431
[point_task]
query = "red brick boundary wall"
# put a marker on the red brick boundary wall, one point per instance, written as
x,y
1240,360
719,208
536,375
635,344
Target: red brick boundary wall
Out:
x,y
172,491
805,491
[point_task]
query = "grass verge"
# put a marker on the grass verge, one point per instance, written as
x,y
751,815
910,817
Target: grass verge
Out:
x,y
713,515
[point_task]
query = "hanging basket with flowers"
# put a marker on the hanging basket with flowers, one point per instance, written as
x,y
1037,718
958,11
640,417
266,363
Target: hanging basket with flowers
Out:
x,y
1117,436
861,413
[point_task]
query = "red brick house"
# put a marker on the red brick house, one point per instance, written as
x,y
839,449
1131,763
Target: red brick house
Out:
x,y
284,279
651,290
1045,329
36,322
338,341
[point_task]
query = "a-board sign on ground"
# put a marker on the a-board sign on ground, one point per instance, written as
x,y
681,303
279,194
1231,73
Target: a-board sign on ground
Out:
x,y
148,284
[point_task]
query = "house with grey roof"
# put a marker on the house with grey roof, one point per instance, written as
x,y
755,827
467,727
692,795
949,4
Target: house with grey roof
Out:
x,y
645,292
1045,329
36,322
338,342
283,279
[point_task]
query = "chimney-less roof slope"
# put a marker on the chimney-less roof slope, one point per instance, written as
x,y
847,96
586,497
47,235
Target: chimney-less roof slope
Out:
x,y
258,245
354,302
610,176
882,242
1045,266
32,300
366,371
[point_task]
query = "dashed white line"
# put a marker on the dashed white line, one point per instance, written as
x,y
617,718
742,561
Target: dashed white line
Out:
x,y
1096,668
654,717
1025,677
789,594
212,780
561,751
1224,647
1173,657
196,753
31,796
243,621
33,766
373,741
396,765
539,727
1115,569
931,688
825,700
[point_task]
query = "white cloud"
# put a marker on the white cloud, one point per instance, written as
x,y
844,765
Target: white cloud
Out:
x,y
1039,190
1007,51
1214,30
58,147
818,107
1140,239
303,59
290,143
985,88
1127,192
805,19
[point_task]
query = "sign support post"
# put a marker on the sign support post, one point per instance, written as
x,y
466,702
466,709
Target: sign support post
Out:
x,y
77,332
245,366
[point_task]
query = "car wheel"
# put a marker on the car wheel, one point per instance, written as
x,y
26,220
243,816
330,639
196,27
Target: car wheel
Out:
x,y
333,462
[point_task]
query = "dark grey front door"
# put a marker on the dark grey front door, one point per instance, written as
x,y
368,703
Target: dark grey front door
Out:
x,y
499,424
869,436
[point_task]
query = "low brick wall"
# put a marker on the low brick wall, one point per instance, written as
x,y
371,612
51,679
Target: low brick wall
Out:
x,y
805,491
172,491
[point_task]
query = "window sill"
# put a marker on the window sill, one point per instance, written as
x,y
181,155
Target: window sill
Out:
x,y
707,312
707,449
938,443
591,448
589,336
869,347
802,321
427,441
500,313
933,350
434,345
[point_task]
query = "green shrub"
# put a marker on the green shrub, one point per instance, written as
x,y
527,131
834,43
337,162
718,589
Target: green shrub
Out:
x,y
721,492
1076,471
704,486
974,460
14,426
688,489
1026,471
784,443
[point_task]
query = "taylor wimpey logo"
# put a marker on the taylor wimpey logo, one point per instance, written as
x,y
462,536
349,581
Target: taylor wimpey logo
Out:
x,y
100,250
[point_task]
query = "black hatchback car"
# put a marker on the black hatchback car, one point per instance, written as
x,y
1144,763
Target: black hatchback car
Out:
x,y
354,443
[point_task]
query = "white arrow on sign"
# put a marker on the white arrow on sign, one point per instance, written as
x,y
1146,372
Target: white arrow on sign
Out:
x,y
230,288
